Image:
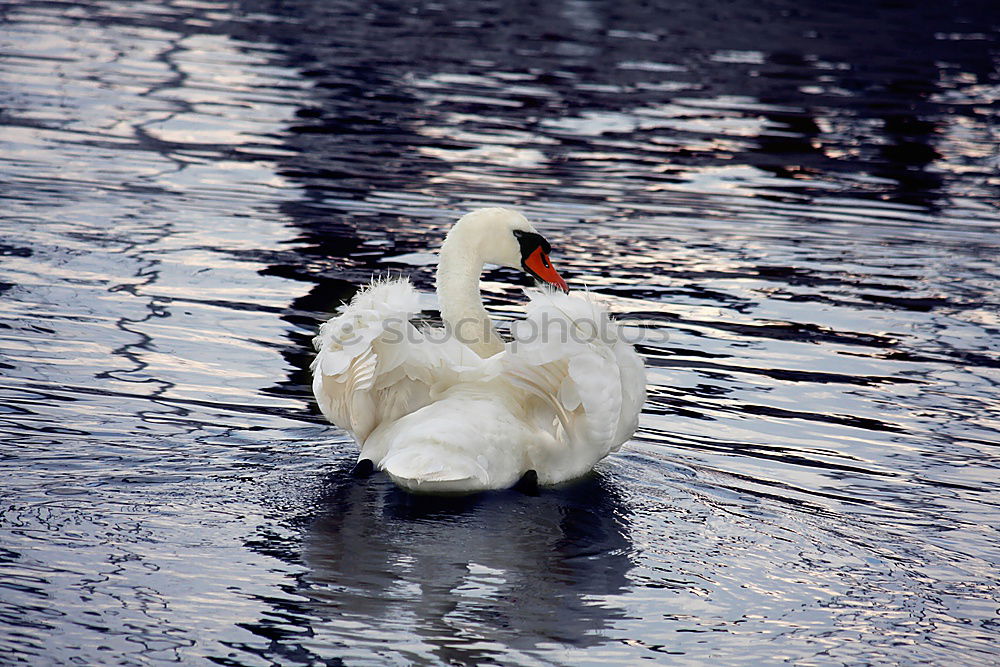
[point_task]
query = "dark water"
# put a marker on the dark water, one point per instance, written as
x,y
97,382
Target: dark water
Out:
x,y
796,206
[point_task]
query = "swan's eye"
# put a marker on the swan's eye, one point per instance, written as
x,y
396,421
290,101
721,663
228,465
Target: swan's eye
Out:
x,y
530,242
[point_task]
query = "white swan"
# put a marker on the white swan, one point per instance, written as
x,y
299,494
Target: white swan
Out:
x,y
455,409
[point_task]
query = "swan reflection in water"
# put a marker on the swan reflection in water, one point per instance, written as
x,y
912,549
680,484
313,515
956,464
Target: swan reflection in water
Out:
x,y
464,579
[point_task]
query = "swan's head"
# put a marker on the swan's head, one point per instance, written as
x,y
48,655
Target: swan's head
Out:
x,y
506,238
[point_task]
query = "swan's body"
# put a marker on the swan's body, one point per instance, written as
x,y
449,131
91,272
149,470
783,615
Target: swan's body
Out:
x,y
456,409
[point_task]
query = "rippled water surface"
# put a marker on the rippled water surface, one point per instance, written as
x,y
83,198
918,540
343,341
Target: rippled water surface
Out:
x,y
794,206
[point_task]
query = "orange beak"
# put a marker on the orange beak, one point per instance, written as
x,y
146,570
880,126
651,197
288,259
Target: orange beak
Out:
x,y
538,265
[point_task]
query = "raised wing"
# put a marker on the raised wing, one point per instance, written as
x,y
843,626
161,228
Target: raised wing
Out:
x,y
373,365
582,381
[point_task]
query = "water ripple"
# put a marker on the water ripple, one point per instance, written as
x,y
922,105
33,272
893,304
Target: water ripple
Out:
x,y
792,209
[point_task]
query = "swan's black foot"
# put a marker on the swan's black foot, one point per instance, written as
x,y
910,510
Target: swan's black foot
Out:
x,y
364,468
528,484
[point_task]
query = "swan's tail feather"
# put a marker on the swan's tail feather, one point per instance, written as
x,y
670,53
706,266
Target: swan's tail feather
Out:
x,y
423,470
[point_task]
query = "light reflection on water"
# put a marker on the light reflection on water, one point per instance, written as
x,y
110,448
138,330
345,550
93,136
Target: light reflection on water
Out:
x,y
802,215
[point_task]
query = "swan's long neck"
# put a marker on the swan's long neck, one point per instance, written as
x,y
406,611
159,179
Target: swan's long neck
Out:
x,y
459,268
